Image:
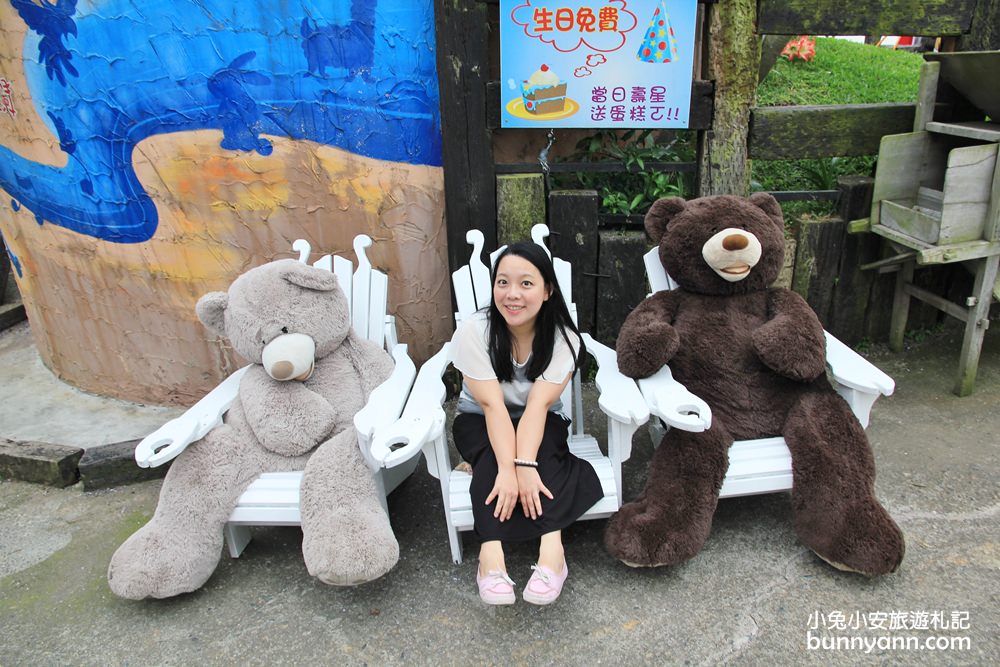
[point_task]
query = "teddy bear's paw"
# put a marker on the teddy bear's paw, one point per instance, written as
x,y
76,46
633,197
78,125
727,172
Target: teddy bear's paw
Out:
x,y
351,550
151,564
646,535
868,541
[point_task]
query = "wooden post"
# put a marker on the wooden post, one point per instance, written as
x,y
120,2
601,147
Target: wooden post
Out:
x,y
976,324
467,149
520,205
622,283
770,48
573,224
817,263
930,73
984,32
852,293
733,60
900,306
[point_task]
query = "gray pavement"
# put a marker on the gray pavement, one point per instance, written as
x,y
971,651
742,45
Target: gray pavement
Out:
x,y
750,597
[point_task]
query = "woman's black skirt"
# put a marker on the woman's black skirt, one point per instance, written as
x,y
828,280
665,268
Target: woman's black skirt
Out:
x,y
573,483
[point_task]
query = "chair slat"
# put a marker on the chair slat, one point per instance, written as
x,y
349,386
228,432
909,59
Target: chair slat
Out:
x,y
344,270
325,263
361,287
378,302
564,276
465,295
266,516
478,272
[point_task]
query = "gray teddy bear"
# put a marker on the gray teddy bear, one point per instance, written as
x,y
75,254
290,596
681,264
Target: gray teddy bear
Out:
x,y
310,374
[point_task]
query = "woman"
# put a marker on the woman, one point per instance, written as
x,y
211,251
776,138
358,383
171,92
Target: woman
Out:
x,y
516,357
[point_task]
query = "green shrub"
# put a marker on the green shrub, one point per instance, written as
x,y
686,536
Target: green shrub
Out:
x,y
631,193
841,73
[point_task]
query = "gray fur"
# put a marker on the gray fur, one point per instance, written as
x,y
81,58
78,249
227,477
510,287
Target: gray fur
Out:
x,y
273,426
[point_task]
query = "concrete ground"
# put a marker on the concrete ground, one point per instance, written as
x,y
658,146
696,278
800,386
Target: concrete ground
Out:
x,y
753,595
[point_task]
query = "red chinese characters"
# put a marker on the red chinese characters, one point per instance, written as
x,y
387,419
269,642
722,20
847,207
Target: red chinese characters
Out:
x,y
564,19
6,99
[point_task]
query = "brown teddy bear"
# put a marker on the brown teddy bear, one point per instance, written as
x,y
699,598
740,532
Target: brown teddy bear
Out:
x,y
756,355
309,374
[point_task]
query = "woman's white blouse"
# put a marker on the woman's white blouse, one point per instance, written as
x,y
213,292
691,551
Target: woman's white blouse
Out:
x,y
470,355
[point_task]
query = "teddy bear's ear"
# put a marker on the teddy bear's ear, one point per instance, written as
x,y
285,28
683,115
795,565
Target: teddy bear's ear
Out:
x,y
660,214
211,310
769,205
308,277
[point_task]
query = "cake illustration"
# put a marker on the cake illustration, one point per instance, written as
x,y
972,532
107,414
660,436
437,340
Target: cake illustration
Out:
x,y
543,92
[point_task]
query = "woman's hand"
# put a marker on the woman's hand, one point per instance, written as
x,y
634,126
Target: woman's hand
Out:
x,y
530,488
505,492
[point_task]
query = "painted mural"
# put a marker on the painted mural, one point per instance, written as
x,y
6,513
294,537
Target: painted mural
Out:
x,y
152,151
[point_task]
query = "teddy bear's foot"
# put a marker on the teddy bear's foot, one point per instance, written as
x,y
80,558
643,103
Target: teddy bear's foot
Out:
x,y
348,550
642,534
160,564
866,540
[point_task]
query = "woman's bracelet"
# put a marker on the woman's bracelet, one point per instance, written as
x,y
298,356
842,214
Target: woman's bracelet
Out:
x,y
525,463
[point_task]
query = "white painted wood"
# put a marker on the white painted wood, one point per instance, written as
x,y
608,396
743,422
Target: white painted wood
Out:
x,y
273,498
385,405
344,270
324,263
478,271
465,295
422,422
377,306
166,442
658,279
302,247
765,465
362,286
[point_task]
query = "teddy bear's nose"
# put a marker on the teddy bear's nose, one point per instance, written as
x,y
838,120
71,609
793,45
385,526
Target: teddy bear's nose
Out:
x,y
282,370
735,242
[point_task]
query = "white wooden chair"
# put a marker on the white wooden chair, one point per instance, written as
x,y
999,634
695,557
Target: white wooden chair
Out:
x,y
273,498
423,422
763,465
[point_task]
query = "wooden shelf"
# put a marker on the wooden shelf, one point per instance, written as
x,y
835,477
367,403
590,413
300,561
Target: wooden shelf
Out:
x,y
980,130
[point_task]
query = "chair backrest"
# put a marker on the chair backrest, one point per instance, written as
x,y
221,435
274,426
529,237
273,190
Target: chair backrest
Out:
x,y
473,290
367,290
659,279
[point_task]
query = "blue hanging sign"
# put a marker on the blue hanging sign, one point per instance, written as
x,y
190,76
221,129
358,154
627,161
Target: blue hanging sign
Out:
x,y
596,63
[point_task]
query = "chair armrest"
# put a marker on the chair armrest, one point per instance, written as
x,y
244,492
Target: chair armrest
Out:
x,y
852,370
166,442
384,405
669,400
423,418
619,396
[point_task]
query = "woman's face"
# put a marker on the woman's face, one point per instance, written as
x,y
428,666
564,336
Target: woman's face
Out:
x,y
519,292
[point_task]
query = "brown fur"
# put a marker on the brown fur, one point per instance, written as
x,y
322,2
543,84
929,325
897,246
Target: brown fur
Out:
x,y
756,355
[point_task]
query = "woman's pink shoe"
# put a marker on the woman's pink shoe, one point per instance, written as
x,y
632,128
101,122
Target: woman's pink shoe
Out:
x,y
495,588
545,585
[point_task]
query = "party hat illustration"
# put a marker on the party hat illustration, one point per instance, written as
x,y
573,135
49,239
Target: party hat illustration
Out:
x,y
660,44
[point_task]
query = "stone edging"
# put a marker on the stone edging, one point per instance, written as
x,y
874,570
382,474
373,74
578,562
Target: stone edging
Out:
x,y
99,467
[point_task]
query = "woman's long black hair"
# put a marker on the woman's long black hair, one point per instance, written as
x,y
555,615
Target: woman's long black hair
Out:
x,y
552,317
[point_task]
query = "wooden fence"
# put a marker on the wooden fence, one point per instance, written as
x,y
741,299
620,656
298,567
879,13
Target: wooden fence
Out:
x,y
503,200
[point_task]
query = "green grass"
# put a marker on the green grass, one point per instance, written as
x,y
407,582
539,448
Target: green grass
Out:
x,y
841,73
